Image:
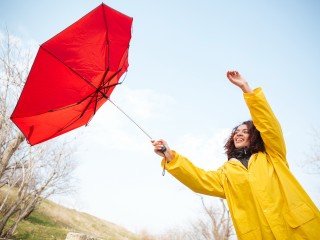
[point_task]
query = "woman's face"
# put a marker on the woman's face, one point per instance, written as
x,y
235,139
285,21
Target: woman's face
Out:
x,y
241,137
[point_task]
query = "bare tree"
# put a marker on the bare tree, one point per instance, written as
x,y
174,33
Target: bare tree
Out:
x,y
40,177
312,163
216,224
176,234
28,175
145,235
14,67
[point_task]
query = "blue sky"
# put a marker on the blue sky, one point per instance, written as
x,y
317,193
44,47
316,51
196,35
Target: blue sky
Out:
x,y
176,89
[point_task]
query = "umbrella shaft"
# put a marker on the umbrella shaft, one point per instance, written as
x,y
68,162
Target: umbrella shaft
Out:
x,y
130,119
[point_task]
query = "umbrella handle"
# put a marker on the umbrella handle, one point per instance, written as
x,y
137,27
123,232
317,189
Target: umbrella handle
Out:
x,y
163,149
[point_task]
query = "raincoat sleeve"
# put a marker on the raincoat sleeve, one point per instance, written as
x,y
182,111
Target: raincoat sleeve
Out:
x,y
266,122
197,179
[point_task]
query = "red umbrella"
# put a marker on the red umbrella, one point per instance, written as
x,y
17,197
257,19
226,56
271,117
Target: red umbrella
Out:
x,y
73,74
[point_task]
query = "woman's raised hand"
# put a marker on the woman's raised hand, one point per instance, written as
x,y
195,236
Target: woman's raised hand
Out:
x,y
239,81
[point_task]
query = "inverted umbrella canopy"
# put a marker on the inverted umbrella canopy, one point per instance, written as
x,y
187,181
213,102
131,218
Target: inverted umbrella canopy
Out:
x,y
73,74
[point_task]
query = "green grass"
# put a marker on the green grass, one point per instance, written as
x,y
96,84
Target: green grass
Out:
x,y
40,227
51,221
41,219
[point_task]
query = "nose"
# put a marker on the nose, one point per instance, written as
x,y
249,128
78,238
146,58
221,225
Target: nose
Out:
x,y
239,134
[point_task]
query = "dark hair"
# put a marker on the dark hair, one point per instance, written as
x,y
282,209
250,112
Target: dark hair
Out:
x,y
256,142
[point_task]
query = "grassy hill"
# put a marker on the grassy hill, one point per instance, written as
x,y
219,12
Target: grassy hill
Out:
x,y
52,221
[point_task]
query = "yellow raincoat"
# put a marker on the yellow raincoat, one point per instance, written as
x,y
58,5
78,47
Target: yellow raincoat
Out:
x,y
265,200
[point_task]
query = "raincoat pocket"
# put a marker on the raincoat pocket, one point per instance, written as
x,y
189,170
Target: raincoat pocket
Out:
x,y
299,215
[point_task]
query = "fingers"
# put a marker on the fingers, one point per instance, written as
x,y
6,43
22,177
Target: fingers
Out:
x,y
155,143
239,81
158,145
232,74
234,77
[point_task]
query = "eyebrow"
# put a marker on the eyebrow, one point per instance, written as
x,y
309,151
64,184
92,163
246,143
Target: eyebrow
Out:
x,y
238,130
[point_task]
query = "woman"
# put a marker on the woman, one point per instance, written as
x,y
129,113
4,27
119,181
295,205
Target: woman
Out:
x,y
264,198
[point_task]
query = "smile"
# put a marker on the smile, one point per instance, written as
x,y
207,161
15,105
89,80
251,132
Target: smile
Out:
x,y
239,140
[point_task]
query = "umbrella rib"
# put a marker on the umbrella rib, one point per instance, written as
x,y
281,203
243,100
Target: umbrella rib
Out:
x,y
107,60
95,96
81,115
100,89
83,78
72,105
92,95
95,105
102,83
